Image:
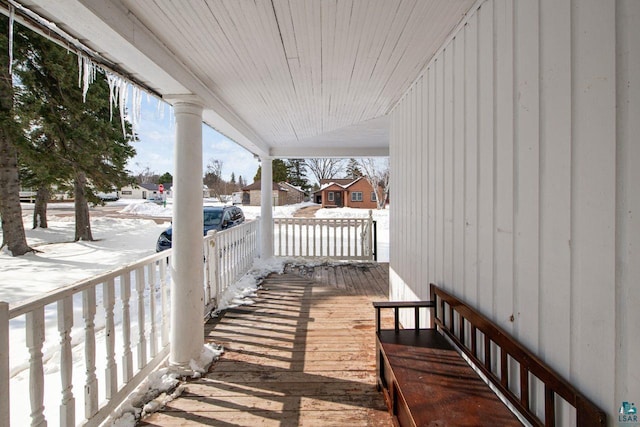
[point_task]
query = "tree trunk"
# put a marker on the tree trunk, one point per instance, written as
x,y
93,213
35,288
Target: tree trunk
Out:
x,y
40,208
13,235
83,220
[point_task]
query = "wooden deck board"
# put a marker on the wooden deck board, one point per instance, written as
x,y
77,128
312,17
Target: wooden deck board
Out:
x,y
302,355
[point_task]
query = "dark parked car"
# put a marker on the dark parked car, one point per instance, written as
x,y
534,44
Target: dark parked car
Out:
x,y
215,218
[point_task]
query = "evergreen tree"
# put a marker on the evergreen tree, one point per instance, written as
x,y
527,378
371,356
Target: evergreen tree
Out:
x,y
13,235
76,138
353,170
165,178
296,171
279,170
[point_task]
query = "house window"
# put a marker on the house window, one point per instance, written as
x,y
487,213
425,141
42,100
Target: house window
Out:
x,y
373,196
356,196
127,192
330,196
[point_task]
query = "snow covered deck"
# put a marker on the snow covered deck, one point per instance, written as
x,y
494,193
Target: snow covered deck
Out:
x,y
303,354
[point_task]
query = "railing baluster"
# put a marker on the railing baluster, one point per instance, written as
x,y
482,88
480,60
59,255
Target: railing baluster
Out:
x,y
127,356
349,225
35,341
321,244
280,237
504,368
524,386
487,352
153,335
342,238
549,407
164,300
91,381
109,300
142,341
335,237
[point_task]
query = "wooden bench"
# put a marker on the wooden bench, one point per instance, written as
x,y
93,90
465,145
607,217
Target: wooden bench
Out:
x,y
427,382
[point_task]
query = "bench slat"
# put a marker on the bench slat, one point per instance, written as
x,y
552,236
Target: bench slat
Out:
x,y
435,384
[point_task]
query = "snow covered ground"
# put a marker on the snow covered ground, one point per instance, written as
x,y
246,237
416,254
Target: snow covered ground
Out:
x,y
61,262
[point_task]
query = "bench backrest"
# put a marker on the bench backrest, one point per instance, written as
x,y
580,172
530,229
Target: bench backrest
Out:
x,y
476,336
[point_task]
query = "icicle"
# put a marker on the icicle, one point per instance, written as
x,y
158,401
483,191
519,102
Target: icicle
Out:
x,y
136,104
123,92
12,15
79,70
160,109
86,74
113,96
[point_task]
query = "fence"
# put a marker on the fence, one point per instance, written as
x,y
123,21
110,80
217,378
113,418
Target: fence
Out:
x,y
341,238
115,324
229,254
96,340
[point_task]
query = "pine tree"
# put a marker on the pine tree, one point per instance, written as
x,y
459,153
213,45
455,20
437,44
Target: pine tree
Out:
x,y
13,235
296,172
73,137
165,178
353,170
279,171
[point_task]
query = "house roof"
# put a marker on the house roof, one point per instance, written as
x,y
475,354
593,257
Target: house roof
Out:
x,y
342,183
257,185
154,187
291,186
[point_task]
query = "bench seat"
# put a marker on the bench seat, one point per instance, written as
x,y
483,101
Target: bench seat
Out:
x,y
428,383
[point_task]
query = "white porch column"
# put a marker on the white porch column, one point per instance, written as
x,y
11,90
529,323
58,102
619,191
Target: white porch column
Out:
x,y
187,270
266,208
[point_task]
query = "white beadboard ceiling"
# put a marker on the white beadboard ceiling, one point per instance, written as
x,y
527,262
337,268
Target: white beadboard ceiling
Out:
x,y
286,78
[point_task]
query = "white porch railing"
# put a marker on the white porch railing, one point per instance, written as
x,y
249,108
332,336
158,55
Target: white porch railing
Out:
x,y
77,352
340,238
95,341
229,254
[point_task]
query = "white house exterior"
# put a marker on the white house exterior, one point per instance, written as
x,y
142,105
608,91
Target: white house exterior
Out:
x,y
524,128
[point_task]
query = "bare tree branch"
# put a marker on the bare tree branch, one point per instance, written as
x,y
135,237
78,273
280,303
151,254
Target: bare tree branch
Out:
x,y
376,172
325,168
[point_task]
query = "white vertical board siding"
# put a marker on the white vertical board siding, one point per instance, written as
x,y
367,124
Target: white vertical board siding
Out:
x,y
628,202
525,125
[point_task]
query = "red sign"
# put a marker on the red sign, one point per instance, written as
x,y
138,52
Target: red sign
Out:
x,y
161,188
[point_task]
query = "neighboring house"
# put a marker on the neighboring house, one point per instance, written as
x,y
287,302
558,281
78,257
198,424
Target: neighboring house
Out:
x,y
144,191
293,195
338,193
283,193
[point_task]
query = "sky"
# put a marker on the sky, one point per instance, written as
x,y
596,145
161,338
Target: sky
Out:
x,y
156,133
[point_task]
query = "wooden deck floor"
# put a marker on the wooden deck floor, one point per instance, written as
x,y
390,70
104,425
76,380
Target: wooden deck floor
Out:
x,y
302,355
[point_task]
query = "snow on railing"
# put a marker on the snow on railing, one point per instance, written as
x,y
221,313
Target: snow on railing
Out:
x,y
339,238
229,254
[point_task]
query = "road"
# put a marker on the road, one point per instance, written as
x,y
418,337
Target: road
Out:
x,y
110,210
